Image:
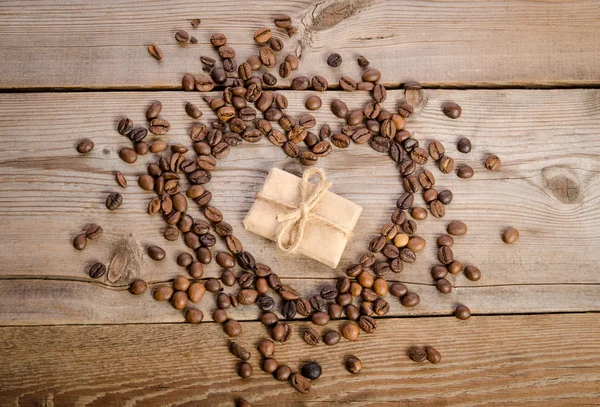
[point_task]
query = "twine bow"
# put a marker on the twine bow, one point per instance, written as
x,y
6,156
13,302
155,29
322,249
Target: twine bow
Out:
x,y
295,220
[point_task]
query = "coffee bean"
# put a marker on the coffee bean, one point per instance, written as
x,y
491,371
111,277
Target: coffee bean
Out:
x,y
379,93
94,231
300,83
456,228
405,201
348,84
320,318
179,300
436,150
266,348
308,158
229,65
372,110
311,370
269,79
350,331
188,82
85,146
492,162
300,383
452,110
192,110
163,293
465,172
367,324
340,140
328,292
213,285
407,255
313,103
156,253
354,365
263,35
269,318
410,144
407,167
381,144
445,197
220,316
334,60
339,109
128,155
446,164
510,235
182,36
205,84
464,145
276,44
267,57
398,290
232,328
97,270
246,261
282,21
417,354
319,83
288,309
113,201
371,75
153,110
405,110
158,127
281,332
411,184
155,51
238,351
311,336
462,312
244,369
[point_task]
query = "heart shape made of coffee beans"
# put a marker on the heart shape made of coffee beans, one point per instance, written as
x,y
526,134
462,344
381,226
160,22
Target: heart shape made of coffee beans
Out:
x,y
237,123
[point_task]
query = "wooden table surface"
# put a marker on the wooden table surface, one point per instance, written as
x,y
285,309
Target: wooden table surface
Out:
x,y
525,74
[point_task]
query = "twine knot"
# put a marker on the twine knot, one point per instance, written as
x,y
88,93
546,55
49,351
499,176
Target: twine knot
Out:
x,y
294,222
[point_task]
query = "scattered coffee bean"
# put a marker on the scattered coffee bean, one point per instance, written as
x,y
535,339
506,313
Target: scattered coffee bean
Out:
x,y
155,51
245,370
452,110
311,336
300,383
138,287
354,365
311,370
464,145
436,150
456,228
444,286
281,332
492,163
334,60
232,328
194,316
113,201
85,146
238,351
410,300
182,36
510,235
94,231
156,253
446,164
163,293
417,354
465,172
445,197
462,312
97,270
472,273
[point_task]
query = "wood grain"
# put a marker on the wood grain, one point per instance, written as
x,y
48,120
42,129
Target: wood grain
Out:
x,y
102,45
547,187
60,302
524,360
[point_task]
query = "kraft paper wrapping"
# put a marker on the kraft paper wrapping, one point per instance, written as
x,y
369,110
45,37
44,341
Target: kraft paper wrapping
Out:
x,y
320,242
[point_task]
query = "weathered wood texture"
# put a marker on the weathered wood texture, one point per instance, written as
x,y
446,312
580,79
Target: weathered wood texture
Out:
x,y
543,359
87,44
547,187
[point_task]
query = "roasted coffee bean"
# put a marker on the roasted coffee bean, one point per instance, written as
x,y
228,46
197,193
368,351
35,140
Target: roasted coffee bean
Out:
x,y
409,226
285,69
263,35
371,75
94,231
379,93
438,272
317,303
322,148
311,370
334,60
367,324
320,318
205,84
407,167
276,44
233,244
247,114
269,79
455,267
445,197
445,240
430,195
405,201
229,65
153,206
220,316
339,109
328,292
348,84
426,179
319,83
246,261
352,312
300,83
437,209
492,162
247,296
129,155
153,110
156,253
410,144
288,309
355,118
266,348
114,201
383,268
281,332
97,270
191,240
377,244
405,110
163,293
510,235
462,312
445,255
267,57
158,127
155,51
390,251
381,307
311,336
410,300
303,307
184,259
238,351
381,144
350,331
401,240
244,369
368,295
456,228
419,155
308,158
361,136
300,383
198,132
436,150
138,287
417,354
433,355
416,244
199,177
182,36
188,82
225,260
353,270
407,255
452,110
125,126
226,52
372,110
270,365
411,184
171,233
444,286
336,311
223,301
465,172
313,103
192,110
269,319
398,290
221,150
85,146
141,148
213,285
464,145
340,140
446,164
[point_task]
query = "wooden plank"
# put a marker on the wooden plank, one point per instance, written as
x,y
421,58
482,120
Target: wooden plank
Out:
x,y
86,44
51,302
524,360
546,139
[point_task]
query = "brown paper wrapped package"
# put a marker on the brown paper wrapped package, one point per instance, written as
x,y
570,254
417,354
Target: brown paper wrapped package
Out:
x,y
320,242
